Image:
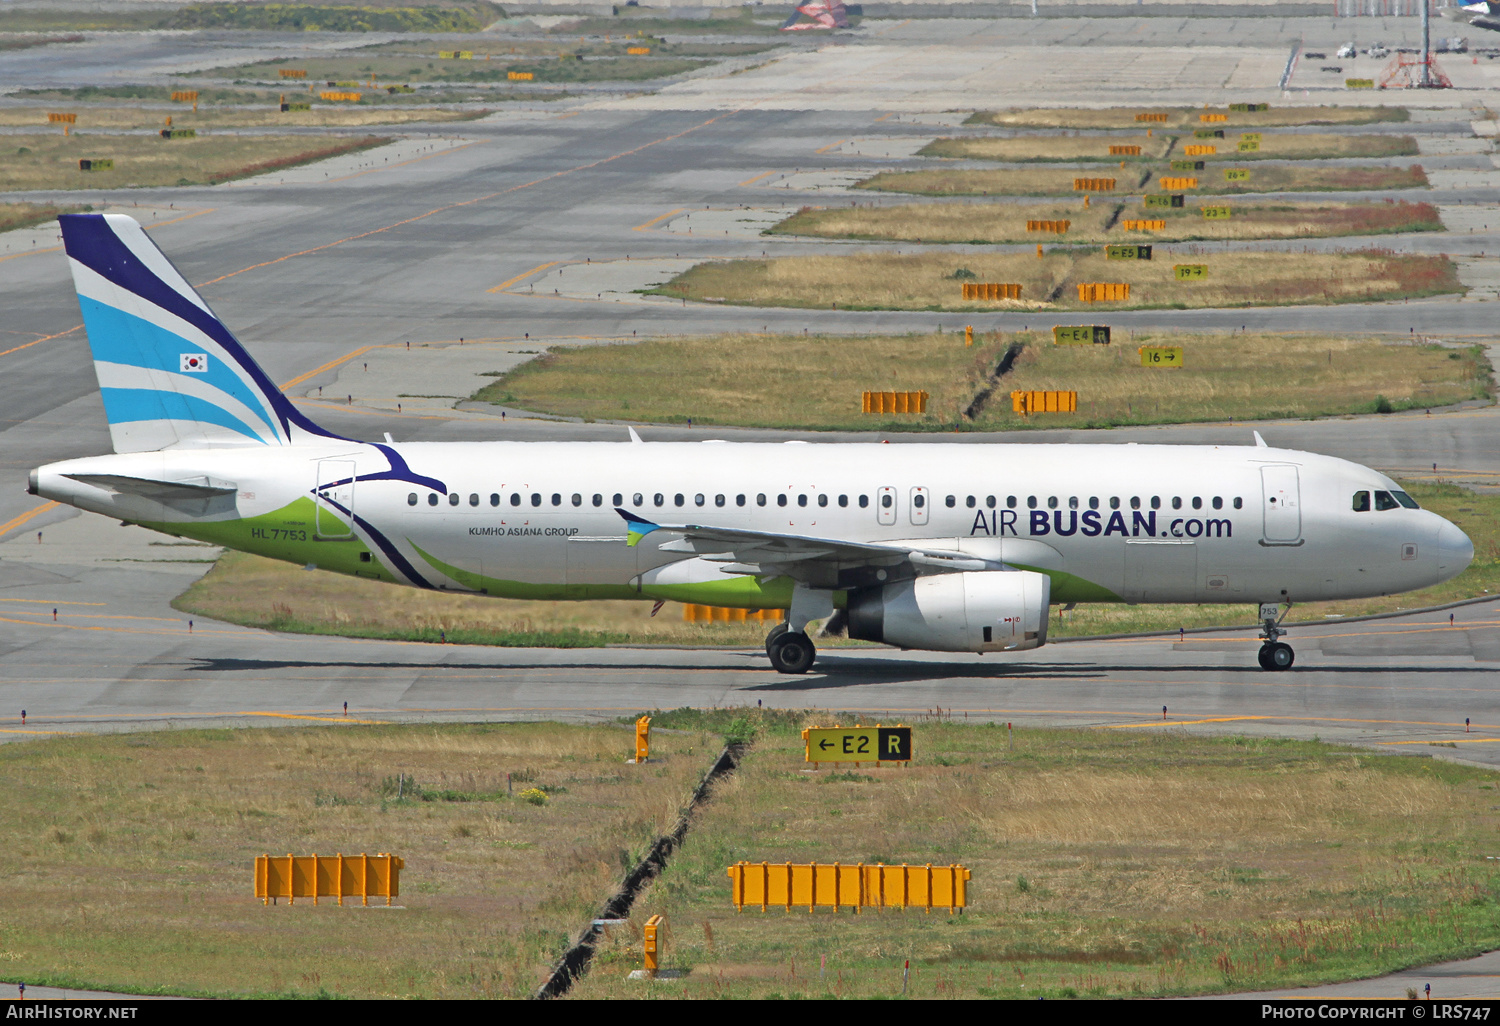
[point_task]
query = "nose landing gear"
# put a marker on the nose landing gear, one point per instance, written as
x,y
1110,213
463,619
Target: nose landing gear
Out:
x,y
1274,655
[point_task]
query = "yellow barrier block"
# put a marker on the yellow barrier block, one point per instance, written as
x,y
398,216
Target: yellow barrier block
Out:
x,y
1210,118
1160,356
328,876
991,290
1142,226
62,119
293,73
858,886
1124,151
1093,185
338,97
894,402
520,76
1055,227
695,613
1026,403
638,51
1200,150
1152,117
1103,291
1179,183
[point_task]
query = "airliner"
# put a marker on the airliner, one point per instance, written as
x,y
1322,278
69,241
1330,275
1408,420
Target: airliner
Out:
x,y
930,546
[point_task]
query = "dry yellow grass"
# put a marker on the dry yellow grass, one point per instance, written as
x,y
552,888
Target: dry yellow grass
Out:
x,y
986,223
51,161
1105,863
1077,148
320,116
714,380
131,867
261,592
24,215
1059,182
1027,148
1186,117
925,280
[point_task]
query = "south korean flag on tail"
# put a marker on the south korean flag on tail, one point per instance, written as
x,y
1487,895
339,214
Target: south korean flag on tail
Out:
x,y
194,363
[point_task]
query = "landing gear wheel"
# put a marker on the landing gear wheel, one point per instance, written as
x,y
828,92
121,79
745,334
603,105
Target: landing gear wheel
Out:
x,y
791,652
1276,656
776,632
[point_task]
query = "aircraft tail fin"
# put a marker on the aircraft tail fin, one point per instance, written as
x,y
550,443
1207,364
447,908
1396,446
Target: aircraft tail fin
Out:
x,y
170,372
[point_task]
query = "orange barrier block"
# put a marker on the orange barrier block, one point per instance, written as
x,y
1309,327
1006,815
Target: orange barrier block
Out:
x,y
991,290
327,876
1103,292
1093,185
858,886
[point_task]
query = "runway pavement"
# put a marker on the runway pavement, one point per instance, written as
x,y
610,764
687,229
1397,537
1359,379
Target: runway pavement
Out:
x,y
434,246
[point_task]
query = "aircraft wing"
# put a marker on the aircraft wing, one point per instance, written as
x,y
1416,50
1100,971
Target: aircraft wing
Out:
x,y
817,562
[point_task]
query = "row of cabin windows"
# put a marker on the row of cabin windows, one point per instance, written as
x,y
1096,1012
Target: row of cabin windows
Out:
x,y
886,501
1383,501
638,499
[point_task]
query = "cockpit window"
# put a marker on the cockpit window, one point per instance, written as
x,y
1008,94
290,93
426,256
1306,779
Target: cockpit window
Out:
x,y
1406,500
1384,501
1361,502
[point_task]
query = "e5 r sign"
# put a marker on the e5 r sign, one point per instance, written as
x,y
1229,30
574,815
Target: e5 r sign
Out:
x,y
858,744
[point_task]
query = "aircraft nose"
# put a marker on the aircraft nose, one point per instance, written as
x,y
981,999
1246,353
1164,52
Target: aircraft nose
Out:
x,y
1454,549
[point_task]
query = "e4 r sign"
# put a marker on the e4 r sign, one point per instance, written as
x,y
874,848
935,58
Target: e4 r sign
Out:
x,y
858,744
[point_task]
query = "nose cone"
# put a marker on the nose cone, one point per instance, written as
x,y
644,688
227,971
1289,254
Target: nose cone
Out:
x,y
1454,551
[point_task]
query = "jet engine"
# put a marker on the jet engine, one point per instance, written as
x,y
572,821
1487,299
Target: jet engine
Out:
x,y
977,611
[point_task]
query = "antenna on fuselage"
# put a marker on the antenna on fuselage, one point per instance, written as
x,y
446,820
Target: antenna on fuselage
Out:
x,y
1260,443
633,436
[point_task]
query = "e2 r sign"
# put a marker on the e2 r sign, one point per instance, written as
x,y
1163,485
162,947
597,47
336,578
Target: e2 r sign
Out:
x,y
858,744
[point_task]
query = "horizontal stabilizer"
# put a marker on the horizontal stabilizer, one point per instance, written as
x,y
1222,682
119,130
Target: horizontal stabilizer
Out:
x,y
158,491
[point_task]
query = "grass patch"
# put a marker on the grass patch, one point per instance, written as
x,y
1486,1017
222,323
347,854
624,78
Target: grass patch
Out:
x,y
740,21
259,592
1058,182
207,119
470,17
1186,117
548,66
985,223
135,867
1106,864
27,42
924,281
1312,146
713,381
51,161
27,215
1477,515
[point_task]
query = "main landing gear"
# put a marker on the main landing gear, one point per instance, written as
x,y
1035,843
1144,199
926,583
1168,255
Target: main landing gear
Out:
x,y
1274,655
790,651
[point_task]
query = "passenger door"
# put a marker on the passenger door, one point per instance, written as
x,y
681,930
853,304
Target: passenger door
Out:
x,y
334,504
1282,504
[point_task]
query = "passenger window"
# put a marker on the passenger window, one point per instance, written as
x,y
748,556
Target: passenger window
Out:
x,y
864,500
1031,502
802,500
1384,501
1238,502
577,499
411,500
739,500
659,499
599,499
453,498
760,499
536,498
1406,500
843,500
1010,502
1197,502
619,500
1093,502
1156,502
1176,502
886,502
781,499
952,501
495,499
1361,502
432,499
515,498
719,500
969,502
1114,502
1072,502
823,499
638,498
1135,502
677,500
989,501
919,500
556,499
698,499
1218,502
1051,502
473,498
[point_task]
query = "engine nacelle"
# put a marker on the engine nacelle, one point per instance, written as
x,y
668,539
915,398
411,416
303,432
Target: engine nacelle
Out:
x,y
979,611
